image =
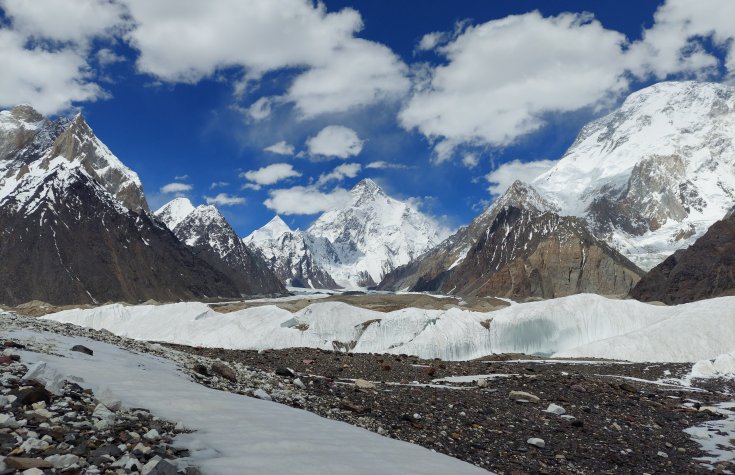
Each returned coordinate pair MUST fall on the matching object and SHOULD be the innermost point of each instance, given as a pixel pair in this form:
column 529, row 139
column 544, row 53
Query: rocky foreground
column 505, row 414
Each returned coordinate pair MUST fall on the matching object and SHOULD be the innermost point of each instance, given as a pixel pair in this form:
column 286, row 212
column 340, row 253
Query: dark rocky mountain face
column 526, row 254
column 519, row 248
column 75, row 226
column 210, row 237
column 704, row 270
column 70, row 242
column 430, row 269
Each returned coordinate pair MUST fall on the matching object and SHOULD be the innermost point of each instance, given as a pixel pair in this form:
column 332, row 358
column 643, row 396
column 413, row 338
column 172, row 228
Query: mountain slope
column 526, row 254
column 288, row 254
column 370, row 236
column 655, row 174
column 67, row 241
column 521, row 249
column 210, row 237
column 704, row 270
column 425, row 272
column 75, row 227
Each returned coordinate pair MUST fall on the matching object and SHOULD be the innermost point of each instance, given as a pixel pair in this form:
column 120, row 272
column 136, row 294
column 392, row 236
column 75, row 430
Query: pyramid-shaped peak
column 366, row 188
column 278, row 224
column 175, row 211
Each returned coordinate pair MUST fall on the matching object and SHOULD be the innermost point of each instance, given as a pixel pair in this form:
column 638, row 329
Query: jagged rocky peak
column 366, row 189
column 653, row 175
column 522, row 195
column 174, row 212
column 31, row 150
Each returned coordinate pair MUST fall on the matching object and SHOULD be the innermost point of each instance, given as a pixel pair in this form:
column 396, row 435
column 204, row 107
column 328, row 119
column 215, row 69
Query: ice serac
column 210, row 237
column 288, row 254
column 373, row 234
column 704, row 270
column 655, row 174
column 75, row 226
column 519, row 247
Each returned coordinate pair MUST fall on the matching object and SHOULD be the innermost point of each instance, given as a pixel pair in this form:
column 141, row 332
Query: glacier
column 583, row 325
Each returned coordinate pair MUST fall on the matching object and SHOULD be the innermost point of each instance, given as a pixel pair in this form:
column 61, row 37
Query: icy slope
column 289, row 255
column 564, row 326
column 174, row 212
column 372, row 235
column 237, row 434
column 656, row 173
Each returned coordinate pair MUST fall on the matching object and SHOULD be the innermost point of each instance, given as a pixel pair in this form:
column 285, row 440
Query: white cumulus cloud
column 269, row 175
column 335, row 141
column 280, row 148
column 176, row 188
column 224, row 199
column 346, row 170
column 502, row 177
column 306, row 200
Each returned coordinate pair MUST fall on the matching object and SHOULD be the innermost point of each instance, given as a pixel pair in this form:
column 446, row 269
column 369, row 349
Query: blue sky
column 440, row 102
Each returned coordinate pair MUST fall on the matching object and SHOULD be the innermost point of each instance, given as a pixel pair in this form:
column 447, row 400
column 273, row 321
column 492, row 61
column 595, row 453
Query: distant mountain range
column 634, row 191
column 75, row 226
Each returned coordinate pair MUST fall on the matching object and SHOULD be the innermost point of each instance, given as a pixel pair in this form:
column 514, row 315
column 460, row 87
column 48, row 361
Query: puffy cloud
column 75, row 21
column 269, row 175
column 382, row 165
column 431, row 40
column 346, row 170
column 306, row 200
column 106, row 56
column 502, row 177
column 673, row 44
column 224, row 199
column 261, row 108
column 176, row 188
column 335, row 141
column 260, row 36
column 49, row 81
column 280, row 148
column 503, row 75
column 358, row 74
column 470, row 160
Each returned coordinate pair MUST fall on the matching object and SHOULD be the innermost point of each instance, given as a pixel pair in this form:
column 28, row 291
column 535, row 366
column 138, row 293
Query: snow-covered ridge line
column 583, row 325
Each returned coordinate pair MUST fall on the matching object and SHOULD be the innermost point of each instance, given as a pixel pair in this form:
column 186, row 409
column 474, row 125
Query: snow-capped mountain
column 210, row 237
column 518, row 247
column 288, row 254
column 174, row 212
column 75, row 226
column 706, row 269
column 655, row 174
column 32, row 147
column 372, row 235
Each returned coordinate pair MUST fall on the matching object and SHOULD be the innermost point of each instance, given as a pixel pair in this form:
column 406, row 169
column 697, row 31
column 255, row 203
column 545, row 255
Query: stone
column 522, row 396
column 628, row 387
column 261, row 394
column 8, row 420
column 34, row 394
column 482, row 383
column 82, row 349
column 555, row 409
column 152, row 435
column 298, row 383
column 103, row 413
column 364, row 384
column 350, row 406
column 24, row 463
column 109, row 400
column 200, row 369
column 285, row 372
column 63, row 461
column 536, row 442
column 35, row 372
column 33, row 471
column 224, row 371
